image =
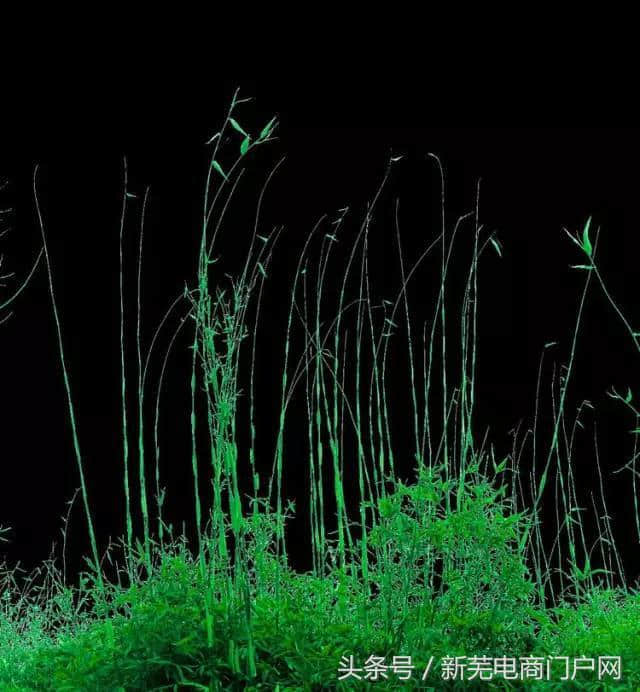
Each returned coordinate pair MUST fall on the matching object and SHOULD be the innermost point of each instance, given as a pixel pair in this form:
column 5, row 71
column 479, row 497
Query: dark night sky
column 534, row 181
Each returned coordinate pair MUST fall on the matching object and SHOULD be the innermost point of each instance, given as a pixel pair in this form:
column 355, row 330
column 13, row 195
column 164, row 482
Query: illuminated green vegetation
column 456, row 562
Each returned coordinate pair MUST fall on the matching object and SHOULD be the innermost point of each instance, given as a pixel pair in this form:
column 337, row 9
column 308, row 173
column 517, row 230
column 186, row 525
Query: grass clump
column 458, row 562
column 154, row 633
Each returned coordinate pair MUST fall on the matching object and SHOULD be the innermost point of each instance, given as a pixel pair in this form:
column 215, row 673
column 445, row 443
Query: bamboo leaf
column 236, row 126
column 218, row 168
column 586, row 243
column 499, row 468
column 267, row 129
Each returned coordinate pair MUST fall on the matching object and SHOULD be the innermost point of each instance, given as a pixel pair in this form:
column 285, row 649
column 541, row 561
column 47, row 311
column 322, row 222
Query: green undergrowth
column 152, row 634
column 479, row 555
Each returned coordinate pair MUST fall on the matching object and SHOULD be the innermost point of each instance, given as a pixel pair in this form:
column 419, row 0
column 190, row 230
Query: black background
column 534, row 182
